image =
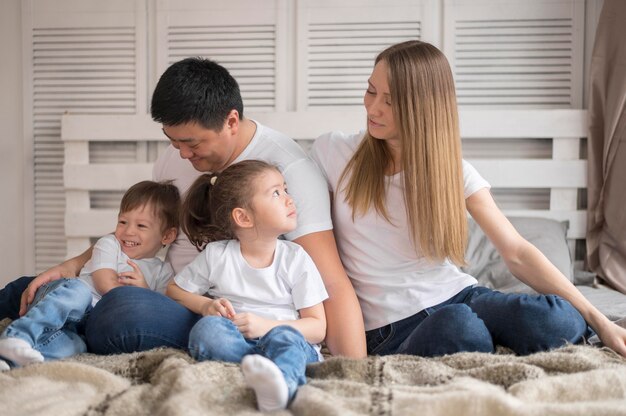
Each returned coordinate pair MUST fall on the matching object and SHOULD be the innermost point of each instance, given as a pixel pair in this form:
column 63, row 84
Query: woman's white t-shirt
column 391, row 279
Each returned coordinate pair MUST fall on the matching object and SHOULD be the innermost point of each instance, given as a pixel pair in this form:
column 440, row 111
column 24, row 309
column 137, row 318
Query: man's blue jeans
column 126, row 319
column 477, row 319
column 217, row 338
column 53, row 320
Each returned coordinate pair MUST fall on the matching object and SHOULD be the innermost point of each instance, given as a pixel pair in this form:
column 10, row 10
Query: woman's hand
column 218, row 307
column 134, row 278
column 614, row 337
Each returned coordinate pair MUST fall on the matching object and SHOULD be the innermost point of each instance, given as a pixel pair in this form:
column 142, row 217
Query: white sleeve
column 309, row 191
column 307, row 287
column 194, row 277
column 472, row 180
column 105, row 254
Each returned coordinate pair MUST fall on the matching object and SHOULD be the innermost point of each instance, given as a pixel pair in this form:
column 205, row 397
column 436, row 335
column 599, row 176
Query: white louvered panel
column 513, row 54
column 250, row 45
column 338, row 42
column 83, row 60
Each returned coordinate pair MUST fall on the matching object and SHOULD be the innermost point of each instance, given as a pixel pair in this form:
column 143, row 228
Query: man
column 199, row 105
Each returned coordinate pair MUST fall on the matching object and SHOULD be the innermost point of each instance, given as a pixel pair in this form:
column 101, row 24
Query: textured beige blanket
column 574, row 380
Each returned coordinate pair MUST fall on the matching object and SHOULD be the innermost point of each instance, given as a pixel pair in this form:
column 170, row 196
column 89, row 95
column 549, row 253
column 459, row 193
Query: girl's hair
column 211, row 199
column 424, row 105
column 163, row 197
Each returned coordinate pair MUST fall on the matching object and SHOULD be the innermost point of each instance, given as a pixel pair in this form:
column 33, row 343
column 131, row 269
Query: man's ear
column 242, row 218
column 169, row 236
column 232, row 121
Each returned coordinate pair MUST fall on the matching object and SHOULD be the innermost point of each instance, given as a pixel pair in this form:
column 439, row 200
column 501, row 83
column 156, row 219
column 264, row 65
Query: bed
column 573, row 380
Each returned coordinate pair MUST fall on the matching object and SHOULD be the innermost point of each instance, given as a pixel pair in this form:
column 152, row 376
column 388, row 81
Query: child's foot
column 267, row 381
column 4, row 366
column 19, row 351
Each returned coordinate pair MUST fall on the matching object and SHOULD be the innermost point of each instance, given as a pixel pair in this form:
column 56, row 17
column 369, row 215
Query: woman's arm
column 345, row 333
column 67, row 269
column 528, row 264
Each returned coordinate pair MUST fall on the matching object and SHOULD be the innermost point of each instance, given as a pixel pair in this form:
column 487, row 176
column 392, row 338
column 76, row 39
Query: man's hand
column 54, row 273
column 218, row 307
column 251, row 325
column 134, row 278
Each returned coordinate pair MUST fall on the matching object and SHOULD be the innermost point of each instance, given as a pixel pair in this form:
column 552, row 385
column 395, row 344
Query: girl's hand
column 251, row 325
column 219, row 307
column 134, row 278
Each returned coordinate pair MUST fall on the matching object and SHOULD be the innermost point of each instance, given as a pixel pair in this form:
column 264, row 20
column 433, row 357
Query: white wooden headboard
column 564, row 173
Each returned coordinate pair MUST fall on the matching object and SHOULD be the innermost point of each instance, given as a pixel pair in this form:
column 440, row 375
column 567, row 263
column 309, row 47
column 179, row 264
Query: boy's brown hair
column 163, row 197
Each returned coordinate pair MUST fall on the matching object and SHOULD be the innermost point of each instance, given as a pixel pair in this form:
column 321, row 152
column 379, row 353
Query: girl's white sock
column 267, row 381
column 19, row 351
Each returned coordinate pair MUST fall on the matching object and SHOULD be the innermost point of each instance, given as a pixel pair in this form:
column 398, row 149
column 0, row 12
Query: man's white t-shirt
column 391, row 279
column 305, row 183
column 276, row 292
column 108, row 254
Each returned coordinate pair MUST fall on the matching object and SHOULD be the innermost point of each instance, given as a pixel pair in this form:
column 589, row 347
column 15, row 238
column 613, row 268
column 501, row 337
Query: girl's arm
column 200, row 304
column 528, row 264
column 312, row 324
column 345, row 333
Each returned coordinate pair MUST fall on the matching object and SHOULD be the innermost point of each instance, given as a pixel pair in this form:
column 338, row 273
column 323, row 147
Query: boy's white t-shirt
column 277, row 292
column 108, row 254
column 305, row 182
column 391, row 280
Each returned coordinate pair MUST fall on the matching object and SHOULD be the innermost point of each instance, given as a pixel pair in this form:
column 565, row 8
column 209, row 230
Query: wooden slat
column 105, row 176
column 533, row 173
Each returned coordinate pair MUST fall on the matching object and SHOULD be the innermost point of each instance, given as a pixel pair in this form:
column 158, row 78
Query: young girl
column 400, row 196
column 147, row 220
column 265, row 306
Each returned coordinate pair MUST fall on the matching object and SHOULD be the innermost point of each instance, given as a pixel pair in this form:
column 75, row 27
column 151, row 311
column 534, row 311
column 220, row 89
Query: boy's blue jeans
column 477, row 319
column 54, row 319
column 217, row 338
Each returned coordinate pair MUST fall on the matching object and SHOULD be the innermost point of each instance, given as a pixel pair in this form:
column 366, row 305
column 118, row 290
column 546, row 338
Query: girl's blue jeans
column 54, row 319
column 478, row 319
column 217, row 338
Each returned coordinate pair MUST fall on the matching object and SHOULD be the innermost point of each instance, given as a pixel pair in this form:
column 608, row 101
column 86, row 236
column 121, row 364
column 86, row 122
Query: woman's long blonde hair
column 423, row 101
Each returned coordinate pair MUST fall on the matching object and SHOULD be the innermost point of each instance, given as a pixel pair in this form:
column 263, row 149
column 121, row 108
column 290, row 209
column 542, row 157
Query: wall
column 12, row 152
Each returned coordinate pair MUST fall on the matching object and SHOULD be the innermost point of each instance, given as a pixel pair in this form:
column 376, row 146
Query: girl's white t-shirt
column 391, row 279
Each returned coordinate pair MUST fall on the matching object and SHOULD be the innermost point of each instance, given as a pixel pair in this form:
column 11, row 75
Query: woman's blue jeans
column 217, row 338
column 478, row 319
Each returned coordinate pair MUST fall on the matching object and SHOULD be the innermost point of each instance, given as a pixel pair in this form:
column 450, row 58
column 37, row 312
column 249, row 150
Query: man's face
column 207, row 150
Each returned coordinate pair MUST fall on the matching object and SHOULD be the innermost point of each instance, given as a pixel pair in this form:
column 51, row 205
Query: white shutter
column 338, row 41
column 247, row 37
column 83, row 57
column 516, row 54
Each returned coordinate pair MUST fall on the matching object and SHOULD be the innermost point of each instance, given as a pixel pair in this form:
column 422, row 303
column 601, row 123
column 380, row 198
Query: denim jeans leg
column 527, row 323
column 129, row 319
column 291, row 352
column 448, row 329
column 50, row 323
column 11, row 295
column 217, row 338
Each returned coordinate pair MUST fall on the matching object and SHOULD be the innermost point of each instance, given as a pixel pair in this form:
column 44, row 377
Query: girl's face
column 273, row 210
column 139, row 232
column 377, row 100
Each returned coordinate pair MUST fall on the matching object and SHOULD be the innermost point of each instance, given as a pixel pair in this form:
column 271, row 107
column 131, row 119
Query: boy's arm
column 104, row 280
column 345, row 333
column 68, row 269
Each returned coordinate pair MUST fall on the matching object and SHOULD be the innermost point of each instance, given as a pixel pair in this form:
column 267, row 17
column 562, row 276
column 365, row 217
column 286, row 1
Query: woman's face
column 377, row 100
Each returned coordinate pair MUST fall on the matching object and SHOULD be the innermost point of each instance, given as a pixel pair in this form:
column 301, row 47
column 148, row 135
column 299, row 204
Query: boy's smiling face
column 139, row 232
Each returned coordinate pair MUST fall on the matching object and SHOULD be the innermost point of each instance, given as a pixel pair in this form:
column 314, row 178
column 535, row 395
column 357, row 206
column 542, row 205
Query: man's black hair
column 196, row 90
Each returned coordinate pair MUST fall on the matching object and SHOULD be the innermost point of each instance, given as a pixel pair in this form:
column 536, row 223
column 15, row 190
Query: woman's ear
column 242, row 218
column 169, row 236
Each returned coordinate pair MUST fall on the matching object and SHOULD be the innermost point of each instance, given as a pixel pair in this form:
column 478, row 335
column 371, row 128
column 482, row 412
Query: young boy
column 147, row 221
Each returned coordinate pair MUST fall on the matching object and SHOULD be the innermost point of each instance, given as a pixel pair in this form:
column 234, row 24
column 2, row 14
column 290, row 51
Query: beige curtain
column 606, row 229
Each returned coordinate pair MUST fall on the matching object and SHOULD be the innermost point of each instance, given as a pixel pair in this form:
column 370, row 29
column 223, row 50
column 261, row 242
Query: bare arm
column 67, row 269
column 528, row 264
column 345, row 333
column 104, row 280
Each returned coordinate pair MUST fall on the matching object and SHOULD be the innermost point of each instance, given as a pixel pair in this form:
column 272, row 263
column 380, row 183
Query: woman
column 400, row 195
